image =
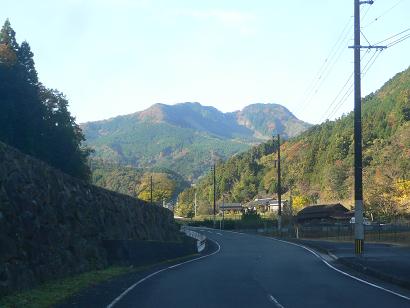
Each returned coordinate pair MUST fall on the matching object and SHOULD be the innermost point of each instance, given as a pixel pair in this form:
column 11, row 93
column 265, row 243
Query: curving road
column 254, row 271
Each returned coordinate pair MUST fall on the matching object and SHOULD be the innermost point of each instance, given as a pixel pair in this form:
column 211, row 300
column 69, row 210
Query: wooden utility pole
column 195, row 203
column 279, row 188
column 214, row 180
column 151, row 186
column 358, row 164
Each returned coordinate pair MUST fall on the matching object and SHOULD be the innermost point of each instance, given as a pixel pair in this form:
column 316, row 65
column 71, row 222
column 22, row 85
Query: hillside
column 136, row 182
column 318, row 164
column 185, row 138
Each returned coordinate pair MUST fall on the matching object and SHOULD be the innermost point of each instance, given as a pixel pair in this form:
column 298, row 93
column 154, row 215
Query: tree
column 35, row 119
column 64, row 135
column 185, row 206
column 163, row 187
column 299, row 202
column 25, row 59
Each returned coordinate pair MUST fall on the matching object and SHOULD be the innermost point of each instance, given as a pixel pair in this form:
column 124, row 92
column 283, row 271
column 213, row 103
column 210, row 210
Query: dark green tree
column 35, row 119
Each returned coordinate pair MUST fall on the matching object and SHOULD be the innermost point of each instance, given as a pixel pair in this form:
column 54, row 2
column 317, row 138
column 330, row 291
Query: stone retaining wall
column 53, row 225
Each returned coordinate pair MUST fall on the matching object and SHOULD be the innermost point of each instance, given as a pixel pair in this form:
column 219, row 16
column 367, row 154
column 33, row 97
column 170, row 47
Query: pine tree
column 35, row 119
column 25, row 60
column 8, row 36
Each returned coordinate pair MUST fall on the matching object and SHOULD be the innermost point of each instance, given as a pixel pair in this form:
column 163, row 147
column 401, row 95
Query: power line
column 375, row 56
column 399, row 40
column 327, row 65
column 393, row 36
column 365, row 13
column 349, row 91
column 383, row 14
column 332, row 107
column 320, row 79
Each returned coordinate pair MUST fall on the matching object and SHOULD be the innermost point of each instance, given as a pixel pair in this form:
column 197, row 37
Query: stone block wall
column 53, row 225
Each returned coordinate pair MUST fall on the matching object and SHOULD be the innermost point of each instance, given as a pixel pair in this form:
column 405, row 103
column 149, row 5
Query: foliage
column 299, row 202
column 250, row 215
column 52, row 293
column 186, row 137
column 35, row 119
column 136, row 182
column 185, row 205
column 317, row 166
column 163, row 187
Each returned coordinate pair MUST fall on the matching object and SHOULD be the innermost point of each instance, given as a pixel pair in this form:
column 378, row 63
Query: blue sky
column 113, row 57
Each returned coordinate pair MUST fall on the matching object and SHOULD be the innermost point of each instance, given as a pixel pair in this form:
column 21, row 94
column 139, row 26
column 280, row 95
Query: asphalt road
column 254, row 271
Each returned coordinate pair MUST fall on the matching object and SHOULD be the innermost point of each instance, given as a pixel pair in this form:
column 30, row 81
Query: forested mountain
column 33, row 118
column 317, row 166
column 166, row 185
column 185, row 138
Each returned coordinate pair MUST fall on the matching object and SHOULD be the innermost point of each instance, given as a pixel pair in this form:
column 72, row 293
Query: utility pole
column 279, row 191
column 195, row 203
column 151, row 189
column 223, row 210
column 214, row 178
column 358, row 165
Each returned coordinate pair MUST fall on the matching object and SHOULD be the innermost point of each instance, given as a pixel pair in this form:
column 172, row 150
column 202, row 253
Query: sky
column 115, row 57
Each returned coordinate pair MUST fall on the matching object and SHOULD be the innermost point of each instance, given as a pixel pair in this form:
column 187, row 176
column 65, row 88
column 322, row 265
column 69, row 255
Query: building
column 265, row 205
column 231, row 208
column 323, row 213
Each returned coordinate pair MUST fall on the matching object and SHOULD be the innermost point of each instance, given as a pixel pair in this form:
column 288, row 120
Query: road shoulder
column 102, row 294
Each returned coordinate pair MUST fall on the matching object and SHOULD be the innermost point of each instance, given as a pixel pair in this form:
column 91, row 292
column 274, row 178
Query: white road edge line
column 331, row 266
column 275, row 301
column 344, row 273
column 116, row 300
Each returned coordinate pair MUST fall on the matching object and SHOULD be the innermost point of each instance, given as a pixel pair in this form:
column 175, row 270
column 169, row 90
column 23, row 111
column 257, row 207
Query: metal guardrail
column 200, row 238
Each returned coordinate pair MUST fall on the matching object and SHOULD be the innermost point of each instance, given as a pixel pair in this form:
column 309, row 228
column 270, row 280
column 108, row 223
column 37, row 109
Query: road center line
column 275, row 301
column 116, row 300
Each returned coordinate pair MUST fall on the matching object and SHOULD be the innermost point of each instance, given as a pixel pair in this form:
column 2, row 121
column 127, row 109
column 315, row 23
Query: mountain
column 186, row 137
column 317, row 165
column 264, row 119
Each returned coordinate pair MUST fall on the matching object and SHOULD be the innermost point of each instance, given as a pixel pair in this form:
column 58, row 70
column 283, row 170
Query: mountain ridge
column 186, row 137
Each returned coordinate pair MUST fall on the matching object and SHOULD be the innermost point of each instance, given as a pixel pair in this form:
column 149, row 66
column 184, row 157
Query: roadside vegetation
column 317, row 166
column 57, row 291
column 128, row 180
column 51, row 293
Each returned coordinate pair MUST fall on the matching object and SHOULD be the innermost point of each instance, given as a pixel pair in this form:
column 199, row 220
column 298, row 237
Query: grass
column 52, row 292
column 56, row 291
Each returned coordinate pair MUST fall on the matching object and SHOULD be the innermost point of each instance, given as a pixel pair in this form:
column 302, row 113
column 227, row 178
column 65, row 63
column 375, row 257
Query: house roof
column 322, row 211
column 265, row 202
column 231, row 206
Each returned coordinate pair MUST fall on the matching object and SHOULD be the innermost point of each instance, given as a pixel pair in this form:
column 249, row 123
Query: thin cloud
column 243, row 21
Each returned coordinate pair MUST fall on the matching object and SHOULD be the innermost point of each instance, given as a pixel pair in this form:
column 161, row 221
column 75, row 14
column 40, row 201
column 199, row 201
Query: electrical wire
column 398, row 40
column 369, row 66
column 349, row 91
column 327, row 60
column 383, row 14
column 338, row 100
column 327, row 65
column 393, row 36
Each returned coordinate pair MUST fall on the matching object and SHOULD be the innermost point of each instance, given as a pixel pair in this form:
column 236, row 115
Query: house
column 265, row 205
column 231, row 207
column 323, row 213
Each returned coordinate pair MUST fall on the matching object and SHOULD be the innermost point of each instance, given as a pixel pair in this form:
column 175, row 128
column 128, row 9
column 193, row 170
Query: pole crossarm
column 368, row 47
